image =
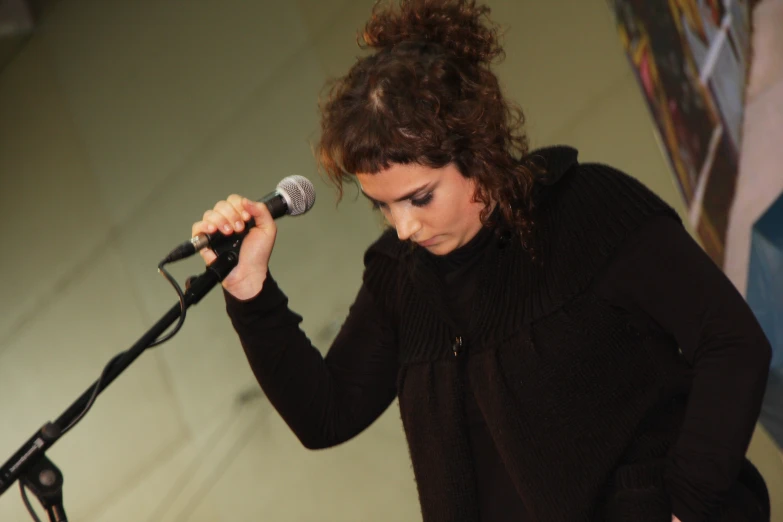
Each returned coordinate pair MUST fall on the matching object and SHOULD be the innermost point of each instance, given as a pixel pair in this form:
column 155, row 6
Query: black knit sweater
column 599, row 406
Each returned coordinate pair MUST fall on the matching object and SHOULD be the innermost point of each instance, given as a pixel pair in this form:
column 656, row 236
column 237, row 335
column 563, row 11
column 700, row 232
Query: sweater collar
column 550, row 163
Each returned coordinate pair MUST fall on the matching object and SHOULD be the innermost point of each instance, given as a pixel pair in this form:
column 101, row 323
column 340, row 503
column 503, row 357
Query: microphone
column 294, row 195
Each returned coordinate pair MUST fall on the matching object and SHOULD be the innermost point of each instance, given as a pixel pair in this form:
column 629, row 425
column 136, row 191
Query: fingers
column 236, row 202
column 228, row 216
column 204, row 227
column 207, row 255
column 260, row 213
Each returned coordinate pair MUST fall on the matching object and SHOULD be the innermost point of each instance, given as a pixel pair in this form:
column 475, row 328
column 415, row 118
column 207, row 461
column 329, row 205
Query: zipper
column 457, row 346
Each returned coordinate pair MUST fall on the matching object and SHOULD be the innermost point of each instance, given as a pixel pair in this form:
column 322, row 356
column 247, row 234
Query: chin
column 440, row 249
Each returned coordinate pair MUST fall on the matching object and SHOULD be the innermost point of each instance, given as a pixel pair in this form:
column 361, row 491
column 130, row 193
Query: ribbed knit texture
column 580, row 222
column 572, row 370
column 562, row 380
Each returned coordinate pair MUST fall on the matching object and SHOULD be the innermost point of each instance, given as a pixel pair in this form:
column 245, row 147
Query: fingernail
column 245, row 215
column 238, row 225
column 211, row 227
column 227, row 228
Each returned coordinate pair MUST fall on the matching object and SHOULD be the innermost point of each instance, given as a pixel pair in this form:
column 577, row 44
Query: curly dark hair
column 426, row 95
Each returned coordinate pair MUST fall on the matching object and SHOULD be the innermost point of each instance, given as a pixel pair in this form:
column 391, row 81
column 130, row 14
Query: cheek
column 444, row 215
column 461, row 208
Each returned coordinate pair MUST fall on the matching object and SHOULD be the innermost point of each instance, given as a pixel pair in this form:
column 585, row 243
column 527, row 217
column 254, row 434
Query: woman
column 560, row 347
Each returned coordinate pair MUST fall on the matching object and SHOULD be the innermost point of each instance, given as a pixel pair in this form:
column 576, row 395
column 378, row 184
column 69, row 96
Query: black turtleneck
column 456, row 270
column 498, row 498
column 659, row 277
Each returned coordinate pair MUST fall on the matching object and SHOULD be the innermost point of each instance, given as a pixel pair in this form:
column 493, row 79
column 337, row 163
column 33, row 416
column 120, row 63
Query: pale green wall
column 120, row 123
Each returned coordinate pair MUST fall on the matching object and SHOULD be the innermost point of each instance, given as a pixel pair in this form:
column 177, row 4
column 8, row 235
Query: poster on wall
column 691, row 60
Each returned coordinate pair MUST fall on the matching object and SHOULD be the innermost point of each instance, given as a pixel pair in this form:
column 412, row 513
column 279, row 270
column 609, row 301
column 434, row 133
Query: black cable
column 182, row 308
column 97, row 386
column 95, row 389
column 162, row 270
column 27, row 503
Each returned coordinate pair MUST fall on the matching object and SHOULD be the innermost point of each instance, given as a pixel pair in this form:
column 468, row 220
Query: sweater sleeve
column 663, row 273
column 324, row 400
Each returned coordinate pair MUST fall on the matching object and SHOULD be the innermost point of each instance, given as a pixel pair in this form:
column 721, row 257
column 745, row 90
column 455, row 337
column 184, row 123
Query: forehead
column 398, row 180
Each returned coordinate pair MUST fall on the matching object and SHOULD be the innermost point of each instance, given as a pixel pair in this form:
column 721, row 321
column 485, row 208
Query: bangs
column 371, row 144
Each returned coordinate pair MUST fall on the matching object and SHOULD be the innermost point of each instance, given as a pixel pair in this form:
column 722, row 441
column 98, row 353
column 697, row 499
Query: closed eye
column 416, row 202
column 426, row 193
column 422, row 201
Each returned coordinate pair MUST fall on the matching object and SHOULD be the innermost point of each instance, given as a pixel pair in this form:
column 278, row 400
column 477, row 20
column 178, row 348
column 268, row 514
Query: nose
column 406, row 224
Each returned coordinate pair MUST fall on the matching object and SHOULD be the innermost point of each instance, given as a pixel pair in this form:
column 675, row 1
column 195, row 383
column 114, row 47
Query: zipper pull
column 456, row 346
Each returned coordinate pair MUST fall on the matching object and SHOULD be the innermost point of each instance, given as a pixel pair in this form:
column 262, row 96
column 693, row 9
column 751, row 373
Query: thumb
column 258, row 210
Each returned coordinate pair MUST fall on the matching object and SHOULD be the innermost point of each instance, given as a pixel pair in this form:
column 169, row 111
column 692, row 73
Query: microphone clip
column 221, row 244
column 218, row 242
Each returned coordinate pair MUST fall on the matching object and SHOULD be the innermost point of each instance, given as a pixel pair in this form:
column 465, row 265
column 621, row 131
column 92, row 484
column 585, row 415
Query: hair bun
column 460, row 26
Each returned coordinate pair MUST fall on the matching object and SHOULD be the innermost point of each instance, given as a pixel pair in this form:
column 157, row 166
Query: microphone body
column 294, row 195
column 274, row 201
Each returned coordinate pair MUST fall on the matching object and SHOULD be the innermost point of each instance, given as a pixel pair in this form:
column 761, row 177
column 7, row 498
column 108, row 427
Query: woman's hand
column 229, row 216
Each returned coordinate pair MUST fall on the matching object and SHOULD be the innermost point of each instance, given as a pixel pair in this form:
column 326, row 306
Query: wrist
column 246, row 288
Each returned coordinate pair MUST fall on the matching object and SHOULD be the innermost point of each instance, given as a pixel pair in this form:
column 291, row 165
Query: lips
column 429, row 242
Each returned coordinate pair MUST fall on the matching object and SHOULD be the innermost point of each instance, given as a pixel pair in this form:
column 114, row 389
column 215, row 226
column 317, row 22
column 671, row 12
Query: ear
column 480, row 193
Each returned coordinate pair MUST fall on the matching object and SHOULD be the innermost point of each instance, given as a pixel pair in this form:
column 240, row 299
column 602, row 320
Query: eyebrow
column 409, row 195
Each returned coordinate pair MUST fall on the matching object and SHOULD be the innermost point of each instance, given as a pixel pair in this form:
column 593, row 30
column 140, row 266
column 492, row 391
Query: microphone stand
column 30, row 465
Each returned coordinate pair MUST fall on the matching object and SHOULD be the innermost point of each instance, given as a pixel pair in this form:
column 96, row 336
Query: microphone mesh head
column 298, row 192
